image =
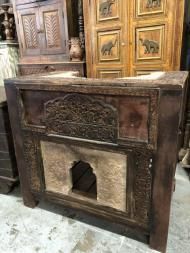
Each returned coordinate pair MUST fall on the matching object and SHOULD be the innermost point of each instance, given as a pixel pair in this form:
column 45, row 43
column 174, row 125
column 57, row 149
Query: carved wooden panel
column 103, row 118
column 109, row 46
column 110, row 74
column 150, row 7
column 143, row 187
column 31, row 159
column 42, row 28
column 108, row 10
column 150, row 43
column 108, row 37
column 30, row 31
column 52, row 29
column 150, row 32
column 54, row 32
column 81, row 116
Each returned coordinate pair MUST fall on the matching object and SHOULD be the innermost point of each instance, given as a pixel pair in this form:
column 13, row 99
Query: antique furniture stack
column 108, row 147
column 128, row 38
column 8, row 168
column 45, row 30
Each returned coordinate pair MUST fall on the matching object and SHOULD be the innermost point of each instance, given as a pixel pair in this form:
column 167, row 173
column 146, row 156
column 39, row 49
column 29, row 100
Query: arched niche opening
column 84, row 180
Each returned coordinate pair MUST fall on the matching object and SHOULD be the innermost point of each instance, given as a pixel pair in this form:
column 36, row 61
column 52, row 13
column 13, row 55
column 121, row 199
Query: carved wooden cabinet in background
column 126, row 38
column 108, row 147
column 44, row 29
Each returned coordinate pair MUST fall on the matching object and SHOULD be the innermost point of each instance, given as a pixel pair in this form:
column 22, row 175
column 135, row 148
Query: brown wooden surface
column 49, row 111
column 127, row 38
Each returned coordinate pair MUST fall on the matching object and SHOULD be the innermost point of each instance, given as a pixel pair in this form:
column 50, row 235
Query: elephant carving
column 151, row 46
column 153, row 3
column 107, row 47
column 105, row 8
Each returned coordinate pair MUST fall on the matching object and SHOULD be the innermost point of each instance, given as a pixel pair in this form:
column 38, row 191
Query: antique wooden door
column 107, row 38
column 127, row 38
column 29, row 28
column 155, row 35
column 54, row 32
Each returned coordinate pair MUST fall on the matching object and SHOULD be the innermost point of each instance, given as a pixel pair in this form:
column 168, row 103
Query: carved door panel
column 153, row 39
column 108, row 38
column 127, row 38
column 54, row 34
column 28, row 34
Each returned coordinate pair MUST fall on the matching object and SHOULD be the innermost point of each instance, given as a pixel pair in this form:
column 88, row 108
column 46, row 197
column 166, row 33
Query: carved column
column 81, row 23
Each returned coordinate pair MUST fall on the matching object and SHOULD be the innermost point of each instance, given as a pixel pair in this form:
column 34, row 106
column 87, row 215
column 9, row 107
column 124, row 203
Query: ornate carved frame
column 139, row 190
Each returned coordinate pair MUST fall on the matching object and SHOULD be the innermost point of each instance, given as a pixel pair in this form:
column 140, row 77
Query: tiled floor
column 52, row 229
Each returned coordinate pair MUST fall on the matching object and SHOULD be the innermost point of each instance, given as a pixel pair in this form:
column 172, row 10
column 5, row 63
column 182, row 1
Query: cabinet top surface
column 171, row 80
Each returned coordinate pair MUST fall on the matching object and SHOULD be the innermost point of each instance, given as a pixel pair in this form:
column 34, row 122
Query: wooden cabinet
column 28, row 27
column 108, row 147
column 43, row 32
column 126, row 38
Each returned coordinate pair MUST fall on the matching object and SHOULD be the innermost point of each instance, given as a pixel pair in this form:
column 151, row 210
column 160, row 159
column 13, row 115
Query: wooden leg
column 28, row 197
column 30, row 201
column 164, row 171
column 158, row 242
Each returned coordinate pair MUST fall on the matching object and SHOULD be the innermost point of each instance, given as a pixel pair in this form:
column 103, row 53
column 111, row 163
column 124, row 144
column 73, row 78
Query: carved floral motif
column 143, row 187
column 52, row 29
column 30, row 153
column 29, row 24
column 81, row 116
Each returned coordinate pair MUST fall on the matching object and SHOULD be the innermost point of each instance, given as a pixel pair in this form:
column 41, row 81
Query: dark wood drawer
column 29, row 69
